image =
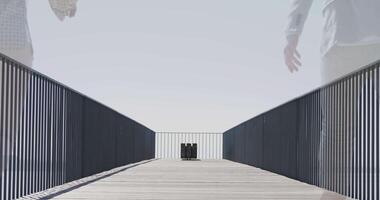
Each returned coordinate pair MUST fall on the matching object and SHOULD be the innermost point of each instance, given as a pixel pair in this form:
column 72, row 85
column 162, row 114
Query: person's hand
column 64, row 8
column 72, row 10
column 292, row 56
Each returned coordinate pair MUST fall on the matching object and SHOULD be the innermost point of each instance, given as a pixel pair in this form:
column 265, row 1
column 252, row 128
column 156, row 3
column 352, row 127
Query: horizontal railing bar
column 64, row 85
column 190, row 132
column 347, row 76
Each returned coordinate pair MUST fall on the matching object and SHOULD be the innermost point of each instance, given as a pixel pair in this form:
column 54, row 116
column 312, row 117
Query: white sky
column 176, row 65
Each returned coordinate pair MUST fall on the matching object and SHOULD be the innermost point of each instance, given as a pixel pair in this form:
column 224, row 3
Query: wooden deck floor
column 185, row 180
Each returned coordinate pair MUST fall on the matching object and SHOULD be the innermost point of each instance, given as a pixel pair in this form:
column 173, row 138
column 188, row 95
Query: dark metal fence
column 328, row 138
column 51, row 134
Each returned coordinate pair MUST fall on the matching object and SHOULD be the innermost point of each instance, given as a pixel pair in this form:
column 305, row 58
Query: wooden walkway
column 185, row 180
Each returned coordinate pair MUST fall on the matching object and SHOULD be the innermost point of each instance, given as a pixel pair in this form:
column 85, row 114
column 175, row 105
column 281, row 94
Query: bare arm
column 297, row 17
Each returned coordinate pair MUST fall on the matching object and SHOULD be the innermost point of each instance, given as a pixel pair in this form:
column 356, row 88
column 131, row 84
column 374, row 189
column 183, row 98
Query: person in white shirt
column 351, row 40
column 351, row 35
column 15, row 40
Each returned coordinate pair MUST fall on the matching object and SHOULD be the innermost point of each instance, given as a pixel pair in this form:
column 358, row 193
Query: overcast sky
column 177, row 65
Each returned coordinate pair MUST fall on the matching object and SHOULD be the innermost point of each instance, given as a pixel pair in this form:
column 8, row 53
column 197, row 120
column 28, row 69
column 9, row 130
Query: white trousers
column 342, row 60
column 24, row 55
column 337, row 146
column 16, row 87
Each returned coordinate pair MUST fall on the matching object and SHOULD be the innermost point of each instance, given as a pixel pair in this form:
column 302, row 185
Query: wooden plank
column 185, row 180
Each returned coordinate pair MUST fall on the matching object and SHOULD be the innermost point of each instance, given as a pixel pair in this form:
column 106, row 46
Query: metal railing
column 328, row 138
column 168, row 144
column 51, row 134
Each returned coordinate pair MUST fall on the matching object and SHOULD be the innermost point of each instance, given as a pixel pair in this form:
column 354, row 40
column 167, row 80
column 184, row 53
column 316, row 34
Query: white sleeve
column 297, row 17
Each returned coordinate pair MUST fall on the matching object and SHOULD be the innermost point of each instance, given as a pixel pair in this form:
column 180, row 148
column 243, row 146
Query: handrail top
column 335, row 81
column 33, row 71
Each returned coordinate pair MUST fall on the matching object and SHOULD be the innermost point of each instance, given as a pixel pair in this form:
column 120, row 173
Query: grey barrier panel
column 51, row 134
column 328, row 137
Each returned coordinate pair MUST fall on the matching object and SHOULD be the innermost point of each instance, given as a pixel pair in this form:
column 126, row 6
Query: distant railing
column 328, row 138
column 51, row 134
column 209, row 144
